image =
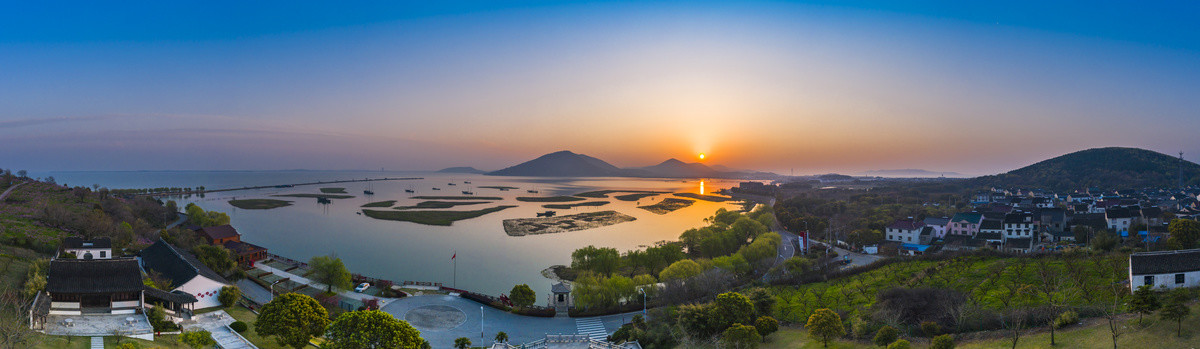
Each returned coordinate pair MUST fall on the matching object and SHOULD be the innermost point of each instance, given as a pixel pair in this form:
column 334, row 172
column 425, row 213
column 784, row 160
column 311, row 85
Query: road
column 177, row 222
column 10, row 189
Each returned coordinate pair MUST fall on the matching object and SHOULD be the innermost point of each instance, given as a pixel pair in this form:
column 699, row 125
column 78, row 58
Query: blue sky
column 821, row 86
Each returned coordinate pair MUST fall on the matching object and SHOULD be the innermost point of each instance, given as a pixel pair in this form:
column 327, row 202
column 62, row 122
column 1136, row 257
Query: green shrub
column 239, row 326
column 862, row 327
column 886, row 335
column 942, row 342
column 900, row 344
column 1067, row 318
column 930, row 328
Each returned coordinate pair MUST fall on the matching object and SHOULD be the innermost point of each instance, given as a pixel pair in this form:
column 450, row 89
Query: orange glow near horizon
column 701, row 156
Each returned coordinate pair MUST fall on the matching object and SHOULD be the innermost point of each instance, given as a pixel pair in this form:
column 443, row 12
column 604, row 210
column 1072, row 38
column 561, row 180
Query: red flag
column 454, row 256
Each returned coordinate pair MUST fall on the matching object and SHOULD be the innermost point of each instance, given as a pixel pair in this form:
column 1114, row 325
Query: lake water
column 489, row 260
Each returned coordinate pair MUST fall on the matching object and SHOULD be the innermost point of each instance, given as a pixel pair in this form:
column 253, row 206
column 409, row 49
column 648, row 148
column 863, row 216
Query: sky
column 811, row 87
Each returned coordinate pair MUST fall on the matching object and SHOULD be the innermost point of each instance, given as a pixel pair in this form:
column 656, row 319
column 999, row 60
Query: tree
column 1144, row 301
column 501, row 337
column 764, row 302
column 229, row 295
column 330, row 271
column 1176, row 309
column 680, row 270
column 826, row 325
column 462, row 343
column 216, row 258
column 886, row 335
column 766, row 325
column 740, row 336
column 797, row 264
column 522, row 296
column 197, row 339
column 15, row 333
column 929, row 328
column 370, row 329
column 944, row 341
column 293, row 319
column 1184, row 234
column 730, row 308
column 900, row 344
column 602, row 260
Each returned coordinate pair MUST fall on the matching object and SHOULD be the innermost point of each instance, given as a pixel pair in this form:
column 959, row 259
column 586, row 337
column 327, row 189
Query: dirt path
column 10, row 189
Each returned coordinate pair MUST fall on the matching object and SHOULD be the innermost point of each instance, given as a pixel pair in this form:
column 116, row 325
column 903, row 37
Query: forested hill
column 1108, row 168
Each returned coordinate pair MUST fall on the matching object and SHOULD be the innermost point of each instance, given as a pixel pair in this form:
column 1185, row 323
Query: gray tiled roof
column 1165, row 262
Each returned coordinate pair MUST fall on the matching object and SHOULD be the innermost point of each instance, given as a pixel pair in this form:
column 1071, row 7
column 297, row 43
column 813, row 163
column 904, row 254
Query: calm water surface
column 489, row 260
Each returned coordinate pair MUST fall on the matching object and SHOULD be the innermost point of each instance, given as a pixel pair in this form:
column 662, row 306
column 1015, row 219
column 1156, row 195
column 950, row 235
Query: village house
column 98, row 248
column 1119, row 219
column 938, row 225
column 186, row 274
column 904, row 230
column 226, row 236
column 964, row 224
column 1165, row 269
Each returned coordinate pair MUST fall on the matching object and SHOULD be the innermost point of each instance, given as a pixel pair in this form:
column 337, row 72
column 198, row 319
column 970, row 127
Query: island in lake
column 562, row 224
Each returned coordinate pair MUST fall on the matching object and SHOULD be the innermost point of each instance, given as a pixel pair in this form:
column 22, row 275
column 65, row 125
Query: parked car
column 362, row 287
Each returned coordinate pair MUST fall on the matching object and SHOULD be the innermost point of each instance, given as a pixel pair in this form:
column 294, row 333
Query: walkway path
column 97, row 342
column 217, row 323
column 592, row 327
column 10, row 189
column 318, row 285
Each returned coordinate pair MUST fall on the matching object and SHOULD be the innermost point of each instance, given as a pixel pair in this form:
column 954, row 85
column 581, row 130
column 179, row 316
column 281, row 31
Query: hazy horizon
column 818, row 87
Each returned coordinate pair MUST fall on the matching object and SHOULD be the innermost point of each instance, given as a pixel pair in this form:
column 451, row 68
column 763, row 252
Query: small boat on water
column 467, row 182
column 437, row 188
column 531, row 191
column 324, row 200
column 414, row 191
column 451, row 184
column 368, row 192
column 546, row 214
column 468, row 192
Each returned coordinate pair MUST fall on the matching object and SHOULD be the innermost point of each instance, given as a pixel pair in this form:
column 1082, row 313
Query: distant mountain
column 1107, row 168
column 676, row 168
column 462, row 169
column 563, row 164
column 567, row 164
column 911, row 173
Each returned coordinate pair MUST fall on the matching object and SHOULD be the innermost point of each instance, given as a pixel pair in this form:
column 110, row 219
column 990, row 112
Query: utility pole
column 1181, row 170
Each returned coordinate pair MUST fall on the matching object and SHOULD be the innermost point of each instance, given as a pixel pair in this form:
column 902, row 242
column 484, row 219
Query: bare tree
column 15, row 331
column 1053, row 290
column 1014, row 300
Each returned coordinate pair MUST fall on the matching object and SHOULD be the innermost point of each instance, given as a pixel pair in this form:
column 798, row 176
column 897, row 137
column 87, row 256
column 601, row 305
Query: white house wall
column 1166, row 281
column 205, row 290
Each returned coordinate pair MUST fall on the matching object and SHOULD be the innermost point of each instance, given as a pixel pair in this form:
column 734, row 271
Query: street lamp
column 642, row 290
column 273, row 288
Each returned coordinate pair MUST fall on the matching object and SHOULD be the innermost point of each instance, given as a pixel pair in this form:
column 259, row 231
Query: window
column 102, row 254
column 1148, row 280
column 1178, row 278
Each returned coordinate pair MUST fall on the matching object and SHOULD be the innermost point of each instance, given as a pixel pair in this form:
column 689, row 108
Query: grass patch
column 634, row 197
column 327, row 196
column 458, row 197
column 259, row 204
column 549, row 198
column 440, row 204
column 668, row 205
column 566, row 206
column 498, row 187
column 388, row 203
column 604, row 193
column 713, row 198
column 561, row 224
column 245, row 315
column 431, row 217
column 333, row 190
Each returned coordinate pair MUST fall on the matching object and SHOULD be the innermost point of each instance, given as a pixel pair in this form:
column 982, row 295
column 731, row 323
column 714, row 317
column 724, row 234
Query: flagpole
column 455, row 281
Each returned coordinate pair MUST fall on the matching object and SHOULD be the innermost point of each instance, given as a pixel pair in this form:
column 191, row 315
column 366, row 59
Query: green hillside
column 1099, row 167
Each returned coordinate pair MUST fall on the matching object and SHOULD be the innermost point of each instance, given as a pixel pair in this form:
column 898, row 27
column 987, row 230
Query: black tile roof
column 178, row 297
column 77, row 242
column 178, row 266
column 240, row 248
column 1164, row 262
column 94, row 276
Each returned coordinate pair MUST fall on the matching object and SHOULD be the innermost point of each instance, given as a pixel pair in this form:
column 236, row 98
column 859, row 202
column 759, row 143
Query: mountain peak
column 673, row 161
column 1112, row 167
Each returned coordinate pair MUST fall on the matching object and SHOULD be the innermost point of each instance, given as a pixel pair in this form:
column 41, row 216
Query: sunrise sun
column 701, row 156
